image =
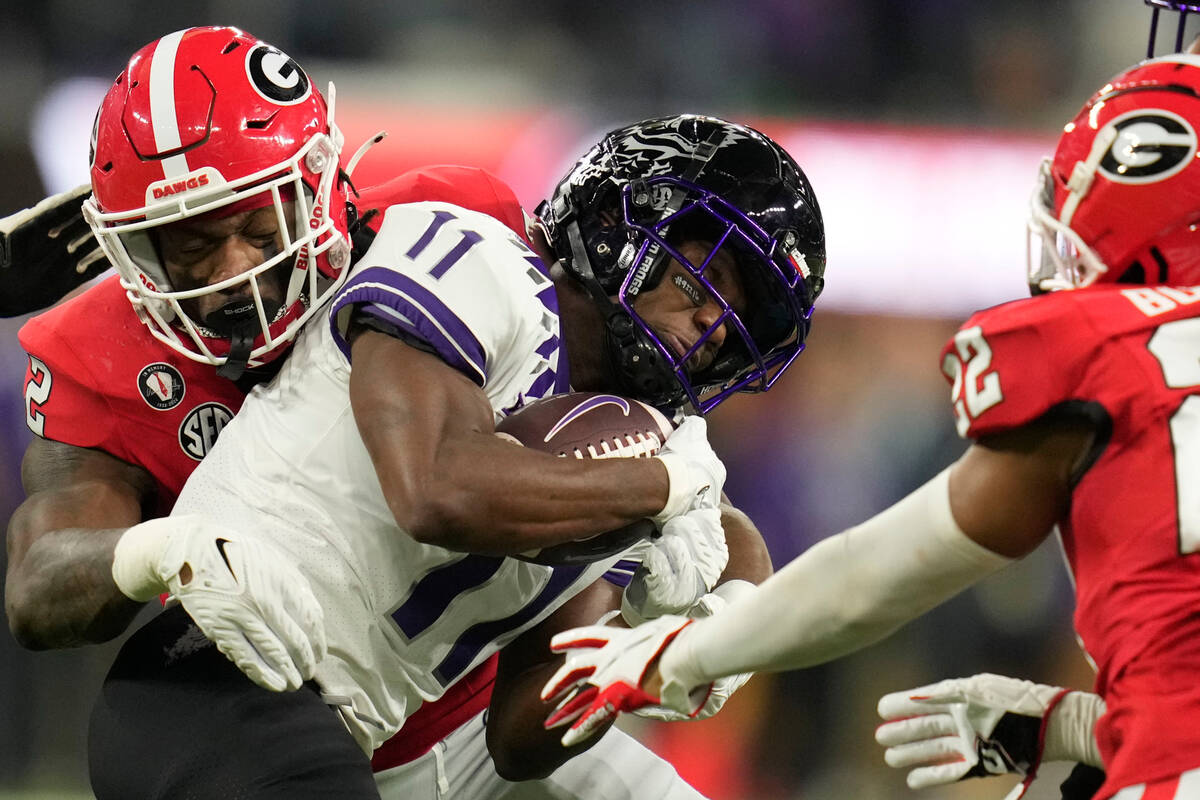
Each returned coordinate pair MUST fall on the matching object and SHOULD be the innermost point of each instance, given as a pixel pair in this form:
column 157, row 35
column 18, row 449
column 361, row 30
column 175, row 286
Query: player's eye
column 190, row 251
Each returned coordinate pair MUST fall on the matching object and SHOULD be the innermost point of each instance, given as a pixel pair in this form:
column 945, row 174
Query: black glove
column 45, row 252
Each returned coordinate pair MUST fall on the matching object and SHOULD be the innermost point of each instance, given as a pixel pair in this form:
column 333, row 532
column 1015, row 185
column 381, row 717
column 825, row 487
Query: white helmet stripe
column 162, row 103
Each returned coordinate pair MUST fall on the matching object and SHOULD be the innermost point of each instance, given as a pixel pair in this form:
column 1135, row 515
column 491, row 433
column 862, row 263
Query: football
column 589, row 425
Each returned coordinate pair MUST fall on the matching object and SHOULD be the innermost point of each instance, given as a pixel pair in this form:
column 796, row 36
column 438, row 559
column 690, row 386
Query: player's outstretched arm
column 852, row 589
column 59, row 590
column 45, row 252
column 451, row 482
column 986, row 725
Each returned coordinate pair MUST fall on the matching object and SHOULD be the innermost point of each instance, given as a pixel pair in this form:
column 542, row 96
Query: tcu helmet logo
column 275, row 76
column 201, row 427
column 1150, row 145
column 161, row 386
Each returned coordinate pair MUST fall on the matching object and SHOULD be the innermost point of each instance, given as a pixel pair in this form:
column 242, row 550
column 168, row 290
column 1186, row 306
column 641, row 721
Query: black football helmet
column 1182, row 9
column 618, row 217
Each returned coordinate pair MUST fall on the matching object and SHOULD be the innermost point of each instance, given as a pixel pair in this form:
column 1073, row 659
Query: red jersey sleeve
column 61, row 402
column 468, row 187
column 1011, row 364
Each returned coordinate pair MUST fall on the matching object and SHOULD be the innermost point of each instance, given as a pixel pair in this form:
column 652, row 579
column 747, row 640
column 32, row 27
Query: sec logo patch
column 161, row 386
column 201, row 427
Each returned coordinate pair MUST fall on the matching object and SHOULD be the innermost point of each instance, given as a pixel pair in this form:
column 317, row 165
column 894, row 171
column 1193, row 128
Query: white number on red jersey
column 37, row 392
column 976, row 388
column 1176, row 345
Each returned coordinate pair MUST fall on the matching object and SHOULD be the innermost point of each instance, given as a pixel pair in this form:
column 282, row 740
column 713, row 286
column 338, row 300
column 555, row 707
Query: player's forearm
column 846, row 592
column 59, row 590
column 490, row 496
column 450, row 481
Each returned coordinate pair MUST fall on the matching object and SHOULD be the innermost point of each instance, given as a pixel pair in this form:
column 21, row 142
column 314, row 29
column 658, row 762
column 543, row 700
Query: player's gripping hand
column 244, row 594
column 604, row 673
column 678, row 568
column 696, row 474
column 45, row 252
column 970, row 727
column 722, row 688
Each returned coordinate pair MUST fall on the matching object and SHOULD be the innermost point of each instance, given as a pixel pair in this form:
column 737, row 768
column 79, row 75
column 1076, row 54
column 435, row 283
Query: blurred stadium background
column 920, row 124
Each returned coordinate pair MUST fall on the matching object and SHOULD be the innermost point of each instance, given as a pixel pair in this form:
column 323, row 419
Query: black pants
column 177, row 720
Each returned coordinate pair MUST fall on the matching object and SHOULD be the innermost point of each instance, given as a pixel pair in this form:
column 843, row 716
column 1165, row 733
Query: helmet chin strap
column 239, row 321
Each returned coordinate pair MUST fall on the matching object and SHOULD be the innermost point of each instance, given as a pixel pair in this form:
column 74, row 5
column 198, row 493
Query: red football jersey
column 97, row 378
column 1131, row 358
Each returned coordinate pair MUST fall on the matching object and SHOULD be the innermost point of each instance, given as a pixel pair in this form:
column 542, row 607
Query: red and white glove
column 603, row 675
column 243, row 593
column 722, row 688
column 678, row 568
column 985, row 725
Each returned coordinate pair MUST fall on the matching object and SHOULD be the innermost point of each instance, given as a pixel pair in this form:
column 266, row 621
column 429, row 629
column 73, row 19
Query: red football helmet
column 1120, row 200
column 201, row 120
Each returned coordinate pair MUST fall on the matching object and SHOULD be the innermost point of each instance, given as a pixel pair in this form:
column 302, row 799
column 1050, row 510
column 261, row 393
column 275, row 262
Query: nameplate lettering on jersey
column 1161, row 299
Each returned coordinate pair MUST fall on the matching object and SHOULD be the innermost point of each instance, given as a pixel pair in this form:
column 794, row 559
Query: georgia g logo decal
column 275, row 76
column 1150, row 145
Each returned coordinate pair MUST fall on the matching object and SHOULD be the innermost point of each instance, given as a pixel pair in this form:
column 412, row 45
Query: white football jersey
column 403, row 620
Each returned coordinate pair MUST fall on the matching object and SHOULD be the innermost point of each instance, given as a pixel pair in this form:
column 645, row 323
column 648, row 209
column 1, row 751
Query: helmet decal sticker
column 1150, row 145
column 646, row 154
column 161, row 386
column 275, row 76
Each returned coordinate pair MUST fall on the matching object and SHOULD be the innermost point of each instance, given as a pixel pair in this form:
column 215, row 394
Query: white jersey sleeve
column 465, row 286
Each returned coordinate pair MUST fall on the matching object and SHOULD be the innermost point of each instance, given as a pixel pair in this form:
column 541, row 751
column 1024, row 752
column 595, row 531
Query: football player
column 1081, row 404
column 120, row 420
column 241, row 336
column 451, row 321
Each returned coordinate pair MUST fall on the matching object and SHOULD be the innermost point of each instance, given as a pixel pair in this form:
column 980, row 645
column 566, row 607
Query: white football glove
column 243, row 593
column 678, row 568
column 45, row 252
column 722, row 688
column 695, row 473
column 985, row 725
column 603, row 672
